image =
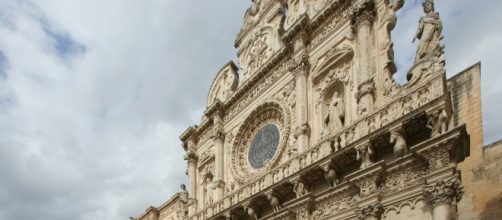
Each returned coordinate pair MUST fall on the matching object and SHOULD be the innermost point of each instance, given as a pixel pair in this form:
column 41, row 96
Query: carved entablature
column 224, row 84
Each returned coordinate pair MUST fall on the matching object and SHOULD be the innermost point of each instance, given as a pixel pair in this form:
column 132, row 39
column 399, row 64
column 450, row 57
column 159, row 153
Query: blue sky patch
column 63, row 44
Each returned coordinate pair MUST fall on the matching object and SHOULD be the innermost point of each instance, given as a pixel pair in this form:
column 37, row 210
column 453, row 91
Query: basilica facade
column 312, row 125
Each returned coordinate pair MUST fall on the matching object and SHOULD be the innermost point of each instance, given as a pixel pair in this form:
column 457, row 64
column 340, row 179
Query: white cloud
column 94, row 135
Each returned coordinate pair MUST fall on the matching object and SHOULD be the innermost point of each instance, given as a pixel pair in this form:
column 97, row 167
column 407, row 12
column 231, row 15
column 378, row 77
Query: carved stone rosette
column 270, row 112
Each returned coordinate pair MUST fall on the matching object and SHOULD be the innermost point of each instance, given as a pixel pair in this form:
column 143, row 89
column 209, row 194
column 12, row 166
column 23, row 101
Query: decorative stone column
column 300, row 70
column 361, row 24
column 191, row 158
column 219, row 140
column 443, row 196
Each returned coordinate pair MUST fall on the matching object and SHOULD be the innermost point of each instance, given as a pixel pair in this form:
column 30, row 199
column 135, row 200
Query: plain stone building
column 311, row 125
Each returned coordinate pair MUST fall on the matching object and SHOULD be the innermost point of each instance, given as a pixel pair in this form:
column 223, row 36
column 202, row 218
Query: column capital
column 300, row 65
column 362, row 13
column 191, row 157
column 443, row 192
column 218, row 135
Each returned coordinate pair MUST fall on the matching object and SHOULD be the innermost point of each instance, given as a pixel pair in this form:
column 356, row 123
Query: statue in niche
column 400, row 146
column 388, row 20
column 334, row 119
column 209, row 191
column 365, row 155
column 438, row 123
column 429, row 33
column 183, row 194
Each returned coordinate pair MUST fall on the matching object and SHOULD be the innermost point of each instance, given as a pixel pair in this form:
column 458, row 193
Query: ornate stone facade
column 311, row 125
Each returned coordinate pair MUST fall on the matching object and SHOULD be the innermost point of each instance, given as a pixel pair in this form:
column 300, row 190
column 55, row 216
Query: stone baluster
column 361, row 24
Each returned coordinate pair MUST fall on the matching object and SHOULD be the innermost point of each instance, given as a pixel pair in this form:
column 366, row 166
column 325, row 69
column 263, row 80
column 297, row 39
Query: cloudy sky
column 94, row 94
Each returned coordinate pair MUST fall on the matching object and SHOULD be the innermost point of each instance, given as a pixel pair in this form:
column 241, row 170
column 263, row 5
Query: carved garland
column 268, row 112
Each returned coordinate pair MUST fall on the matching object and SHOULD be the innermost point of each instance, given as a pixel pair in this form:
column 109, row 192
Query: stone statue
column 365, row 155
column 336, row 113
column 183, row 194
column 438, row 123
column 209, row 191
column 299, row 189
column 388, row 20
column 274, row 202
column 251, row 212
column 331, row 176
column 429, row 32
column 400, row 146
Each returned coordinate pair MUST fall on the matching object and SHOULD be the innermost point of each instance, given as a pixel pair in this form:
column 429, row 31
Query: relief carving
column 365, row 155
column 299, row 189
column 331, row 175
column 438, row 123
column 400, row 146
column 448, row 191
column 274, row 202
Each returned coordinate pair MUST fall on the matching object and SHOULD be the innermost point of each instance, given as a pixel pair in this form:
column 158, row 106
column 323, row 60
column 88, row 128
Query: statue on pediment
column 429, row 32
column 250, row 16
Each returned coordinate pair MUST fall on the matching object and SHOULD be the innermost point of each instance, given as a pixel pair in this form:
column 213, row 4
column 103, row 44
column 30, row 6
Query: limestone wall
column 482, row 171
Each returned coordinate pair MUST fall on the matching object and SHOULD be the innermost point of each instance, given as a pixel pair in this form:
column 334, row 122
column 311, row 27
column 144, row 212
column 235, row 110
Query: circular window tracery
column 260, row 141
column 263, row 146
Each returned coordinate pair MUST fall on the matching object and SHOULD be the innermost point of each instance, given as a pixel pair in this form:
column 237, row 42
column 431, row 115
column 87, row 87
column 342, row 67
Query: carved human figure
column 388, row 20
column 400, row 146
column 209, row 191
column 438, row 123
column 183, row 194
column 429, row 32
column 251, row 13
column 333, row 121
column 274, row 202
column 365, row 155
column 331, row 176
column 251, row 212
column 299, row 189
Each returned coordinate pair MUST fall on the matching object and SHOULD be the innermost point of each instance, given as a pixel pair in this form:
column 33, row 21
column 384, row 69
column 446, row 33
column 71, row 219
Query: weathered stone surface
column 348, row 142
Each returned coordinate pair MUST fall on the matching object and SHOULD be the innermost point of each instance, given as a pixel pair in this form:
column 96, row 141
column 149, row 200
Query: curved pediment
column 224, row 84
column 331, row 59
